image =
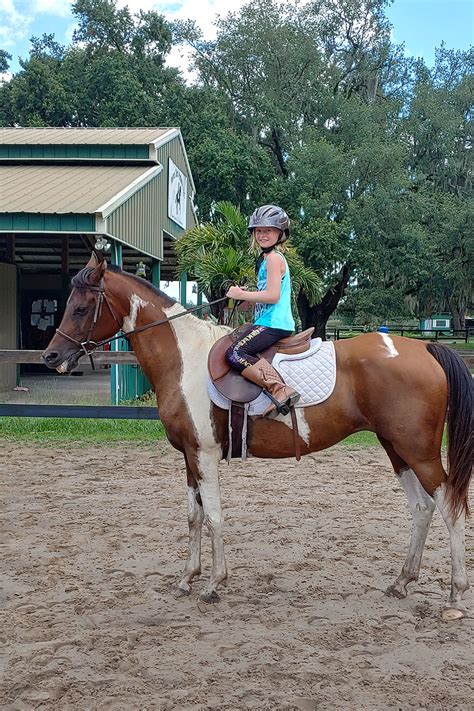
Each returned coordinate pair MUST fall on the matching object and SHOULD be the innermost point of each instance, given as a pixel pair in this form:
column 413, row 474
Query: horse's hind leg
column 459, row 582
column 422, row 507
column 195, row 519
column 431, row 474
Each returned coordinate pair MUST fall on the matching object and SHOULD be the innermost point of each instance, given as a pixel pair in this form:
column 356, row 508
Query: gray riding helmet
column 271, row 216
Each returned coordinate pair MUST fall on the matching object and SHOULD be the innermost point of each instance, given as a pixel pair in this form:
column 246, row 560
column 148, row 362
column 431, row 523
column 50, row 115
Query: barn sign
column 177, row 194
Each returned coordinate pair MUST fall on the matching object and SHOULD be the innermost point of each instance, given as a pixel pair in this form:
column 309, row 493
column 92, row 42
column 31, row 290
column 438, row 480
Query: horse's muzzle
column 57, row 361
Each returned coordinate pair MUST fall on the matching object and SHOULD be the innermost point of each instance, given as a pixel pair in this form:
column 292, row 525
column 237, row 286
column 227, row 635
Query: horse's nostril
column 51, row 357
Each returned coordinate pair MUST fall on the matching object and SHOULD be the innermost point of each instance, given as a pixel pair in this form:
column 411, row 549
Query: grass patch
column 361, row 439
column 83, row 432
column 460, row 345
column 57, row 430
column 369, row 439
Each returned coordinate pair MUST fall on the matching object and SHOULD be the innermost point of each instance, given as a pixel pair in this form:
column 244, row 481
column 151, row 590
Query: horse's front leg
column 211, row 502
column 195, row 519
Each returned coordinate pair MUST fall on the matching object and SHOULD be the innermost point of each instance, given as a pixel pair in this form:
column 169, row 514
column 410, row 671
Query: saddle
column 240, row 391
column 228, row 381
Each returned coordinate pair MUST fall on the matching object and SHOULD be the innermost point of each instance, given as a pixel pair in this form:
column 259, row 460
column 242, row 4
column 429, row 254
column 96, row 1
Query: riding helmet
column 271, row 216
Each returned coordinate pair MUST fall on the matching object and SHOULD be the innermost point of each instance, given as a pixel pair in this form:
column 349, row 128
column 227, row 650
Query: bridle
column 88, row 346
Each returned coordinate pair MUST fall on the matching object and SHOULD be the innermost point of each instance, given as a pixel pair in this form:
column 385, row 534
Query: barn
column 63, row 191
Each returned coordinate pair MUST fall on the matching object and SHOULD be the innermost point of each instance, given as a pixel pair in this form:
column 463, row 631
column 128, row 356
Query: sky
column 421, row 24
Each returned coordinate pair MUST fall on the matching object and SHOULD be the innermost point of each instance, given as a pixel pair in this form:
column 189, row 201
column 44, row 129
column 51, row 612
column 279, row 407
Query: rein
column 88, row 346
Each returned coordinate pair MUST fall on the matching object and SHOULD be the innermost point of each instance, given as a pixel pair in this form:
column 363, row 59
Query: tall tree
column 438, row 132
column 319, row 87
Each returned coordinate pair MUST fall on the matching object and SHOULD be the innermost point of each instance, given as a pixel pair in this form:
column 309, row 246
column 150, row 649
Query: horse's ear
column 94, row 260
column 98, row 265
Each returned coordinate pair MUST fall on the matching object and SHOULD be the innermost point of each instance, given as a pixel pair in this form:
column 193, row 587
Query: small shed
column 436, row 322
column 64, row 190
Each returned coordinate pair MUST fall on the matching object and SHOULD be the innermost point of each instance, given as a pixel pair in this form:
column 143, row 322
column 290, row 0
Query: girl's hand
column 235, row 292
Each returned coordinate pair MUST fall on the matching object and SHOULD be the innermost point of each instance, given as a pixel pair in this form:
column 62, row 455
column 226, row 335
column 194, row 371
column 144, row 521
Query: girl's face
column 266, row 236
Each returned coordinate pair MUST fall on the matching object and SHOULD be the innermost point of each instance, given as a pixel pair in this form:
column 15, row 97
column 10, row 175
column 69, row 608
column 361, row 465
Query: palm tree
column 218, row 254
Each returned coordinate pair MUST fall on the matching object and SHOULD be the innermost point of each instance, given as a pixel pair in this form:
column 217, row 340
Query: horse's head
column 88, row 318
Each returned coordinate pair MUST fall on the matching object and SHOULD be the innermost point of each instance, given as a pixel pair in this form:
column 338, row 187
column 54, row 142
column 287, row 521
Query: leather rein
column 88, row 346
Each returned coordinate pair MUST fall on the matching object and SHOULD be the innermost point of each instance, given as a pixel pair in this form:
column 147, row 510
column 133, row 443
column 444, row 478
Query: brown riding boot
column 281, row 395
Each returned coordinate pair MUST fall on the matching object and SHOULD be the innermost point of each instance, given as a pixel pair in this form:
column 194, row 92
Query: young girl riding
column 273, row 320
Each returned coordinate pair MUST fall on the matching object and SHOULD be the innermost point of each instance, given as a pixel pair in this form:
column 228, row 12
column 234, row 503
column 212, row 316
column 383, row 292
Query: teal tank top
column 275, row 315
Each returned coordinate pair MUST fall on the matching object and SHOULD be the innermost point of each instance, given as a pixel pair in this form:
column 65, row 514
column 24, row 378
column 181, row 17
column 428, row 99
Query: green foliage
column 217, row 253
column 113, row 74
column 5, row 59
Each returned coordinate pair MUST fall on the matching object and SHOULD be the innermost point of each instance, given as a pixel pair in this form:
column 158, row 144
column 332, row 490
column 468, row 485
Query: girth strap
column 296, row 434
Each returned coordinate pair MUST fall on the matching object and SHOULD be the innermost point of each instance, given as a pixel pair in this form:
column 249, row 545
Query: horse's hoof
column 210, row 597
column 452, row 613
column 395, row 591
column 183, row 591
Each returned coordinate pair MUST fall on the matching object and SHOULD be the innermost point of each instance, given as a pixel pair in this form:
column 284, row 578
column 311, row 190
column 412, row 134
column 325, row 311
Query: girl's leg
column 241, row 355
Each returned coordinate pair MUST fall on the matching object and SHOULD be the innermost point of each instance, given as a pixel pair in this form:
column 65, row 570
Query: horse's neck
column 173, row 355
column 142, row 306
column 191, row 329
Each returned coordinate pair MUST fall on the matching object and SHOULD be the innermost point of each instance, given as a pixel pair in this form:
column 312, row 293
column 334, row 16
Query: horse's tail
column 460, row 420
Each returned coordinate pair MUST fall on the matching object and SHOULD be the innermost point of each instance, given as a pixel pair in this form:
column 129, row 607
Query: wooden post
column 156, row 273
column 116, row 257
column 199, row 302
column 182, row 288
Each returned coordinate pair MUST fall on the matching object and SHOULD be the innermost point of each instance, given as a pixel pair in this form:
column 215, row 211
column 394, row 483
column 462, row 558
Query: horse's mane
column 83, row 280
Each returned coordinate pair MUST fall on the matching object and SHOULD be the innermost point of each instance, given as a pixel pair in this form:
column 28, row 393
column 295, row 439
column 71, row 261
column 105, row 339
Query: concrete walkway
column 91, row 388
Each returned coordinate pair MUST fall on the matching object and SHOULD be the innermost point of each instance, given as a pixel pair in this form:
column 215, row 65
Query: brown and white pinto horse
column 401, row 389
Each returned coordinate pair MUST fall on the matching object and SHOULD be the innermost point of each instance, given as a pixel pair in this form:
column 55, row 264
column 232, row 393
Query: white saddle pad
column 312, row 374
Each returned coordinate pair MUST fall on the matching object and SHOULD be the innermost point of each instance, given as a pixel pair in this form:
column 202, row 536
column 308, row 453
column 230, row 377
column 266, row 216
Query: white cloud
column 204, row 12
column 61, row 8
column 69, row 31
column 14, row 25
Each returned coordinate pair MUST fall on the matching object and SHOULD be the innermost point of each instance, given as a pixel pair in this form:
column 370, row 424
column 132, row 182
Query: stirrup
column 281, row 408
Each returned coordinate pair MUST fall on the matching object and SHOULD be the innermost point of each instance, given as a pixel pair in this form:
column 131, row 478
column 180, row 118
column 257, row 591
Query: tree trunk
column 458, row 312
column 319, row 315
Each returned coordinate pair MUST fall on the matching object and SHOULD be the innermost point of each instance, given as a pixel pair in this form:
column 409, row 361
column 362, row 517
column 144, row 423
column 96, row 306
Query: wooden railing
column 100, row 357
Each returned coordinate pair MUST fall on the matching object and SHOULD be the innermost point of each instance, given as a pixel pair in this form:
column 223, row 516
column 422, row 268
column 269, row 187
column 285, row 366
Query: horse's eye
column 81, row 310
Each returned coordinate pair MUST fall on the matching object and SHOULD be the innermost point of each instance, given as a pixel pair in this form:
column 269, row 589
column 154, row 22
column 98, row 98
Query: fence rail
column 112, row 412
column 336, row 333
column 100, row 357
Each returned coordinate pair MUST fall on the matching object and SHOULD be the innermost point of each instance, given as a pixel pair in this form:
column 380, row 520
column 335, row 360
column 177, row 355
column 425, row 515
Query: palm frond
column 303, row 278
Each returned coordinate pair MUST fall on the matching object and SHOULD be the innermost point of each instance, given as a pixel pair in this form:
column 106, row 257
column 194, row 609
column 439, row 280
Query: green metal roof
column 53, row 189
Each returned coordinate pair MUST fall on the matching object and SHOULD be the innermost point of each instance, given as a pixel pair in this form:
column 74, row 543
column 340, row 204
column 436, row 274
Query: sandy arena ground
column 94, row 541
